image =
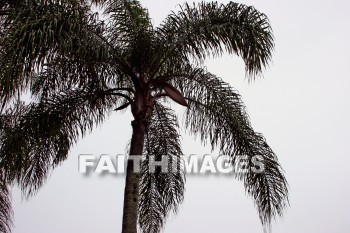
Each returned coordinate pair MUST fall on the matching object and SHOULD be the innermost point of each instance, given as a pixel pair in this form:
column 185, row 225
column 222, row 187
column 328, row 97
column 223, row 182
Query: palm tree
column 77, row 69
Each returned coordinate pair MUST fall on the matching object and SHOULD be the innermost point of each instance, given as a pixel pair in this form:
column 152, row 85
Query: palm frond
column 131, row 29
column 72, row 73
column 212, row 28
column 217, row 114
column 6, row 213
column 34, row 33
column 42, row 133
column 160, row 192
column 128, row 19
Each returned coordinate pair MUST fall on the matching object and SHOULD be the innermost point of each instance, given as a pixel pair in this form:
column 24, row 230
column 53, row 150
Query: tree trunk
column 131, row 193
column 141, row 110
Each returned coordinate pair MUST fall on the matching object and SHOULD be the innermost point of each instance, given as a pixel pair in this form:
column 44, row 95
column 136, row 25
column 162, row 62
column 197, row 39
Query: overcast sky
column 301, row 106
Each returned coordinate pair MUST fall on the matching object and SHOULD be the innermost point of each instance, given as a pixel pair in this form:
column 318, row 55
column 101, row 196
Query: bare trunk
column 131, row 193
column 141, row 109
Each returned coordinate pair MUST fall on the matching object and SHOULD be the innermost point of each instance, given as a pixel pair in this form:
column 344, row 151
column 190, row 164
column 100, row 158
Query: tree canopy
column 78, row 68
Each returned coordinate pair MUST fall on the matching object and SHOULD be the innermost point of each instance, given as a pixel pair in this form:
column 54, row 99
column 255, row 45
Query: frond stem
column 121, row 61
column 120, row 94
column 121, row 89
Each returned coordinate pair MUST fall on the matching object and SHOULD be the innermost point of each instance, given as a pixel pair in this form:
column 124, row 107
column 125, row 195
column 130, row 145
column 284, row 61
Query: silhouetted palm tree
column 77, row 69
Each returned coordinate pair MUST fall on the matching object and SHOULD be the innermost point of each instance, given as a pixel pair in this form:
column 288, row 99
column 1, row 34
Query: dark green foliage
column 216, row 113
column 212, row 28
column 5, row 208
column 78, row 69
column 162, row 192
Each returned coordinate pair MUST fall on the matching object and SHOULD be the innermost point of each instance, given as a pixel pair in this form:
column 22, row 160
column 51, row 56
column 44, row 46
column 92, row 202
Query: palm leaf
column 5, row 208
column 217, row 114
column 160, row 192
column 43, row 132
column 34, row 33
column 212, row 28
column 131, row 29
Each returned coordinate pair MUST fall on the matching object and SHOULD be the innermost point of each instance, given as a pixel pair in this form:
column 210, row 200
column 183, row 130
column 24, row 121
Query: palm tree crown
column 78, row 68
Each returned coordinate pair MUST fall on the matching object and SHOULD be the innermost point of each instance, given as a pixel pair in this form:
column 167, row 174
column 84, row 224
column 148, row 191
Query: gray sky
column 301, row 106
